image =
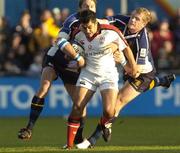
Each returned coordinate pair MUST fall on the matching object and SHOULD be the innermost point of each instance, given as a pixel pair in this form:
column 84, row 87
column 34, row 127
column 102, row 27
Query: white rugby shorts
column 93, row 81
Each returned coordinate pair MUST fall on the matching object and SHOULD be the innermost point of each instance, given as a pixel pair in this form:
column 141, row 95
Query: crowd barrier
column 16, row 94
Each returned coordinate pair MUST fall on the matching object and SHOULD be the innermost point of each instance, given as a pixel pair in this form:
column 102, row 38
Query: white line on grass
column 98, row 148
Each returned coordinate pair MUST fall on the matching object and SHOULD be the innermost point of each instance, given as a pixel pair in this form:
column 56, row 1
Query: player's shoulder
column 143, row 33
column 119, row 18
column 109, row 27
column 71, row 19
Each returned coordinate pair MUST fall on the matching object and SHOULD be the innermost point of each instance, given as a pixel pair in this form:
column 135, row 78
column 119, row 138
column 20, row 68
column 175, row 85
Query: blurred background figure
column 44, row 34
column 24, row 27
column 36, row 67
column 109, row 12
column 175, row 27
column 159, row 37
column 166, row 59
column 17, row 59
column 24, row 30
column 64, row 14
column 48, row 21
column 153, row 25
column 57, row 16
column 5, row 32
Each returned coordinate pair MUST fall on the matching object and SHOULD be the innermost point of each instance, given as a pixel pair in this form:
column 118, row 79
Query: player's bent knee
column 121, row 100
column 109, row 114
column 109, row 111
column 78, row 110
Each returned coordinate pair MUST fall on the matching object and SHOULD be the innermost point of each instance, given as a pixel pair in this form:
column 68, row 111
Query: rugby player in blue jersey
column 135, row 32
column 55, row 64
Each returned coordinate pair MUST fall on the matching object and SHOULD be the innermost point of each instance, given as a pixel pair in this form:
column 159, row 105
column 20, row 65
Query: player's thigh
column 82, row 96
column 127, row 93
column 71, row 88
column 48, row 75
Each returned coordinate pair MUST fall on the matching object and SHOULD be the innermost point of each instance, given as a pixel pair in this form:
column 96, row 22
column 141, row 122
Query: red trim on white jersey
column 101, row 27
column 111, row 27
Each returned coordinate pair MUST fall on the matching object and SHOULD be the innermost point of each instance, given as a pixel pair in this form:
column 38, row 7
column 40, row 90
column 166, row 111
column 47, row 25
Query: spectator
column 48, row 21
column 57, row 16
column 166, row 58
column 25, row 30
column 44, row 35
column 153, row 25
column 40, row 39
column 18, row 55
column 176, row 31
column 109, row 12
column 64, row 14
column 36, row 67
column 4, row 40
column 24, row 27
column 159, row 37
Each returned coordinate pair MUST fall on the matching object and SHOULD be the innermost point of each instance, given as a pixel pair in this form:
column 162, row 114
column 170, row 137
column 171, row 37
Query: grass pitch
column 130, row 135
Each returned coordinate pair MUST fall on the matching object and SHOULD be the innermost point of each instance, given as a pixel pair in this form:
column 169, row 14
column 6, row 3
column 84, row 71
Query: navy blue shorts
column 142, row 83
column 59, row 62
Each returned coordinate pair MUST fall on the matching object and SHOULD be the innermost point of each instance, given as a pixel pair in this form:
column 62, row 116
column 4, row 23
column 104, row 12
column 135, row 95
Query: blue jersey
column 120, row 21
column 57, row 59
column 69, row 25
column 138, row 42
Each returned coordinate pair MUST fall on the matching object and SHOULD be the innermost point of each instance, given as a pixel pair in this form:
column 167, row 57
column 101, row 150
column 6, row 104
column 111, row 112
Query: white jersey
column 99, row 60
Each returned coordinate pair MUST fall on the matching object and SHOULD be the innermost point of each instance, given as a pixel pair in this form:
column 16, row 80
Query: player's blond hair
column 146, row 14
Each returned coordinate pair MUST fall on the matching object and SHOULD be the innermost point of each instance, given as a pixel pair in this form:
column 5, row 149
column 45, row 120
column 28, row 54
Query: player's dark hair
column 81, row 2
column 86, row 16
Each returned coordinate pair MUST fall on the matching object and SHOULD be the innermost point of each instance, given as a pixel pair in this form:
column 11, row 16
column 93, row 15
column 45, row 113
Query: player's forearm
column 69, row 50
column 129, row 55
column 66, row 47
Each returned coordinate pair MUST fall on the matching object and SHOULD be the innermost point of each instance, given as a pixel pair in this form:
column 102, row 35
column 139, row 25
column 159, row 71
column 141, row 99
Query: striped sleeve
column 142, row 47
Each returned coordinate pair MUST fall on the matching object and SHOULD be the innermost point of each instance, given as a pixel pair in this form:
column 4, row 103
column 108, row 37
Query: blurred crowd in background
column 22, row 47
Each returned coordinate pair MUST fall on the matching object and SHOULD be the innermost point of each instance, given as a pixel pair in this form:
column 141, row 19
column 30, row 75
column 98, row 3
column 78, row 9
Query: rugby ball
column 78, row 47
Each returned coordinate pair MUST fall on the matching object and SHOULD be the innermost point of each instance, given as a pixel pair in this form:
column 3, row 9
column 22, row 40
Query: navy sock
column 79, row 134
column 96, row 135
column 160, row 81
column 36, row 109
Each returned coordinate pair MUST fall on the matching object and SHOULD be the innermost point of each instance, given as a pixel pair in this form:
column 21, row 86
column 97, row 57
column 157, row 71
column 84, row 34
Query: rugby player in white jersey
column 54, row 65
column 99, row 70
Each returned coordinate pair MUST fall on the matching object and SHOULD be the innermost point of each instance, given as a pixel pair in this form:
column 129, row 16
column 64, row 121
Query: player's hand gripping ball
column 78, row 47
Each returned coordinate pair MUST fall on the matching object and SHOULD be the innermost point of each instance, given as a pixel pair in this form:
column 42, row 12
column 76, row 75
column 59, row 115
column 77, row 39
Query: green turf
column 130, row 135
